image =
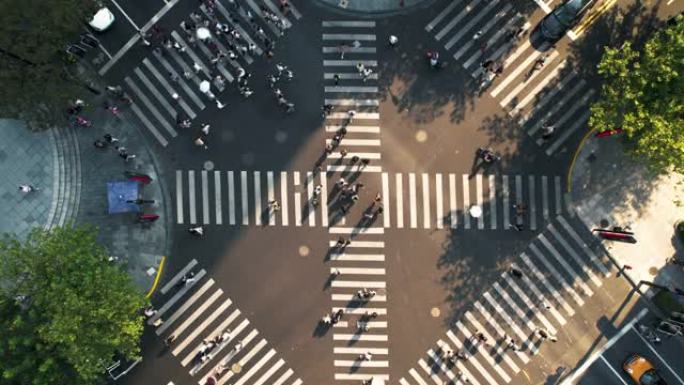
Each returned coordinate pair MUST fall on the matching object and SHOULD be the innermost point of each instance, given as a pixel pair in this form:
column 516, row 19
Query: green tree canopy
column 33, row 36
column 643, row 94
column 65, row 311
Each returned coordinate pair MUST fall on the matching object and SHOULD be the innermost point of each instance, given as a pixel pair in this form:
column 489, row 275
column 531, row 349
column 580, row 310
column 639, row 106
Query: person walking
column 274, row 205
column 393, row 41
column 199, row 231
column 123, row 153
column 205, row 129
column 200, row 143
column 336, row 79
column 27, row 188
column 110, row 139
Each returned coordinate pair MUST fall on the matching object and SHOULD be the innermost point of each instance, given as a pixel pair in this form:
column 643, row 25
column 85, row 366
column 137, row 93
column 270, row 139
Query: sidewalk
column 612, row 190
column 376, row 6
column 72, row 176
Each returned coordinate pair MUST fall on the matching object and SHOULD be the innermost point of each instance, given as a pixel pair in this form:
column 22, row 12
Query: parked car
column 102, row 19
column 642, row 371
column 564, row 17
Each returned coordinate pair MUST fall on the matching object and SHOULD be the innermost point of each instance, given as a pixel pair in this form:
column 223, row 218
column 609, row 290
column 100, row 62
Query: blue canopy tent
column 118, row 195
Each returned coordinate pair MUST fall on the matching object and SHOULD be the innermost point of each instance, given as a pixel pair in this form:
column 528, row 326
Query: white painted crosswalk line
column 566, row 246
column 493, row 41
column 348, row 23
column 256, row 367
column 568, row 288
column 541, row 278
column 231, row 197
column 361, row 364
column 440, row 363
column 529, row 58
column 349, row 36
column 535, row 308
column 413, row 215
column 361, row 155
column 191, row 197
column 504, row 315
column 356, row 230
column 505, row 194
column 577, row 280
column 452, row 201
column 400, row 200
column 431, row 25
column 357, row 257
column 179, row 275
column 514, row 93
column 466, row 376
column 217, row 198
column 169, row 89
column 545, row 197
column 356, row 142
column 324, row 198
column 472, row 360
column 270, row 185
column 297, row 199
column 359, row 270
column 155, row 91
column 284, row 210
column 426, row 201
column 471, row 22
column 284, row 377
column 358, row 284
column 233, row 337
column 514, row 305
column 499, row 351
column 179, row 197
column 352, row 102
column 269, row 372
column 466, row 201
column 354, row 129
column 257, row 198
column 492, row 201
column 199, row 329
column 181, row 292
column 484, row 352
column 417, row 377
column 478, row 199
column 439, row 198
column 191, row 53
column 557, row 185
column 385, row 200
column 186, row 305
column 568, row 131
column 310, row 198
column 150, row 126
column 484, row 29
column 403, row 381
column 205, row 197
column 587, row 251
column 244, row 197
column 243, row 361
column 464, row 12
column 360, row 337
column 564, row 101
column 359, row 376
column 499, row 330
column 151, row 107
column 181, row 81
column 362, row 311
column 361, row 350
column 533, row 93
column 355, row 298
column 362, row 244
column 541, row 299
column 188, row 321
column 548, row 96
column 533, row 202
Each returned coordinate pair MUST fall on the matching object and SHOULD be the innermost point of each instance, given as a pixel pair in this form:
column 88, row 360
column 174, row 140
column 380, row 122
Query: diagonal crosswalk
column 164, row 87
column 198, row 312
column 478, row 33
column 499, row 334
column 411, row 200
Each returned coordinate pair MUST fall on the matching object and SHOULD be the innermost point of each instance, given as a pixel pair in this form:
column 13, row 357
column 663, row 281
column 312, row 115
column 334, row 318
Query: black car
column 561, row 19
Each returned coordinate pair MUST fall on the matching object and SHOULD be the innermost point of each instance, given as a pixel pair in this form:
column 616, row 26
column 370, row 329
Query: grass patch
column 667, row 302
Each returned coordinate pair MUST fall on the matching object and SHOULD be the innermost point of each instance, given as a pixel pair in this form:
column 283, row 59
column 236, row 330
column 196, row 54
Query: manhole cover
column 653, row 271
column 236, row 368
column 421, row 136
column 435, row 312
column 208, row 165
column 304, row 251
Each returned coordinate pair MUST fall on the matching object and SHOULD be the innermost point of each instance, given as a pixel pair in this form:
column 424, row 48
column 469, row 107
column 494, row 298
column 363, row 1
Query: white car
column 102, row 20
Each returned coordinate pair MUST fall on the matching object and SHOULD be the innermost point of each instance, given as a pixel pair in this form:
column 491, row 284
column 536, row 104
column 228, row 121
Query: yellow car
column 642, row 371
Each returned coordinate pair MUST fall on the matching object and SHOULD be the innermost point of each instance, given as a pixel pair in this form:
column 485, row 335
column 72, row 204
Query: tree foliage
column 643, row 94
column 78, row 310
column 33, row 36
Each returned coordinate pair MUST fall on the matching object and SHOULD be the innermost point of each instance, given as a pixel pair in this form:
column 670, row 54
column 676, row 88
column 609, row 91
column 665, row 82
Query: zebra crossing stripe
column 348, row 24
column 512, row 324
column 431, row 25
column 567, row 132
column 297, row 199
column 179, row 197
column 217, row 197
column 256, row 367
column 360, row 311
column 472, row 359
column 355, row 129
column 433, row 356
column 513, row 305
column 478, row 199
column 244, row 360
column 191, row 53
column 233, row 334
column 470, row 23
column 505, row 193
column 541, row 278
column 530, row 304
column 205, row 197
column 231, row 197
column 168, row 88
column 324, row 198
column 583, row 246
column 445, row 347
column 483, row 353
column 499, row 330
column 565, row 99
column 181, row 328
column 178, row 276
column 452, row 200
column 359, row 376
column 541, row 85
column 310, row 198
column 363, row 244
column 426, row 201
column 237, row 26
column 557, row 183
column 533, row 203
column 413, row 215
column 439, row 198
column 492, row 21
column 257, row 198
column 516, row 90
column 352, row 350
column 361, row 364
column 400, row 200
column 196, row 331
column 181, row 81
column 541, row 299
column 138, row 112
column 576, row 280
column 456, row 19
column 360, row 337
column 469, row 316
column 155, row 91
column 545, row 197
column 269, row 372
column 358, row 285
column 385, row 200
column 359, row 270
column 148, row 104
column 179, row 294
column 245, row 208
column 285, row 217
column 271, row 196
column 556, row 274
column 416, row 377
column 354, row 298
column 284, row 377
column 466, row 201
column 349, row 36
column 492, row 201
column 192, row 197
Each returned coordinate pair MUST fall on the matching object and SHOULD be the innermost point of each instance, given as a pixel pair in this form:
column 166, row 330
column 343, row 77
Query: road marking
column 556, row 234
column 244, row 197
column 565, row 100
column 439, row 201
column 568, row 287
column 592, row 256
column 431, row 25
column 285, row 217
column 270, row 372
column 297, row 199
column 168, row 304
column 478, row 199
column 418, row 379
column 400, row 201
column 311, row 197
column 357, row 257
column 589, row 19
column 179, row 197
column 168, row 87
column 533, row 202
column 355, row 129
column 499, row 330
column 445, row 347
column 493, row 20
column 452, row 201
column 271, row 197
column 172, row 283
column 359, row 270
column 541, row 102
column 471, row 21
column 426, row 201
column 538, row 87
column 349, row 36
column 155, row 91
column 349, row 168
column 524, row 339
column 181, row 81
column 513, row 305
column 492, row 201
column 518, row 70
column 433, row 356
column 350, row 89
column 351, row 350
column 345, row 23
column 148, row 104
column 324, row 198
column 567, row 132
column 196, row 331
column 284, row 377
column 386, row 200
column 360, row 376
column 530, row 305
column 360, row 311
column 483, row 353
column 231, row 197
column 541, row 278
column 193, row 56
column 412, row 201
column 505, row 193
column 456, row 19
column 181, row 328
column 356, row 142
column 358, row 285
column 138, row 112
column 466, row 201
column 205, row 197
column 363, row 244
column 545, row 197
column 472, row 360
column 543, row 6
column 191, row 197
column 528, row 80
column 501, row 352
column 257, row 198
column 125, row 15
column 541, row 298
column 356, row 230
